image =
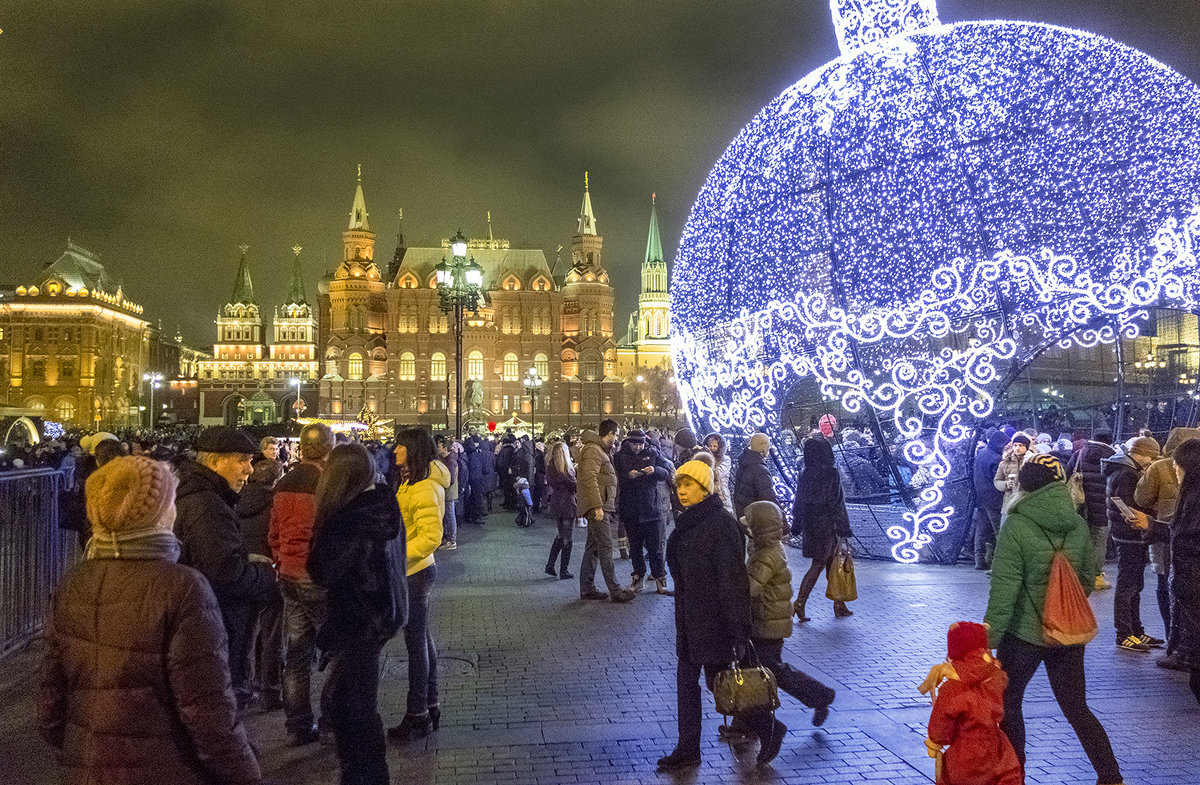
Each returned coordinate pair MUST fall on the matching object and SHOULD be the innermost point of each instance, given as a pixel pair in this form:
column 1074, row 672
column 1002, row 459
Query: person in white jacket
column 716, row 444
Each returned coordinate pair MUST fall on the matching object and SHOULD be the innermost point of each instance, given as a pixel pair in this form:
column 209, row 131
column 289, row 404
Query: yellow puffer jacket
column 422, row 505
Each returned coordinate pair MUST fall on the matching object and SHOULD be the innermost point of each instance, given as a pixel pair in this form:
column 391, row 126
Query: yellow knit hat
column 131, row 493
column 699, row 471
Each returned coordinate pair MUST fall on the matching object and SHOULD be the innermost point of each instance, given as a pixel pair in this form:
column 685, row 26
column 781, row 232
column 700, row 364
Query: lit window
column 437, row 366
column 65, row 410
column 511, row 368
column 331, row 368
column 542, row 364
column 408, row 366
column 356, row 366
column 475, row 365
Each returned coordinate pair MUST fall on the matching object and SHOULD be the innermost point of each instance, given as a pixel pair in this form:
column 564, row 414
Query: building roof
column 358, row 212
column 653, row 241
column 587, row 218
column 79, row 268
column 497, row 262
column 296, row 295
column 243, row 287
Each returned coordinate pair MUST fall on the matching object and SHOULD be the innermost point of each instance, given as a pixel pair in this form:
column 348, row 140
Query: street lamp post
column 459, row 285
column 533, row 385
column 154, row 379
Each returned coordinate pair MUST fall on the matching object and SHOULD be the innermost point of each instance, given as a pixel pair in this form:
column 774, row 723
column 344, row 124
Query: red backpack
column 1067, row 618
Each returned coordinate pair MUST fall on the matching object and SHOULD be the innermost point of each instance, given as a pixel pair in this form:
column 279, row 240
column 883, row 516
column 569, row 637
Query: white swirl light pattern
column 880, row 227
column 729, row 385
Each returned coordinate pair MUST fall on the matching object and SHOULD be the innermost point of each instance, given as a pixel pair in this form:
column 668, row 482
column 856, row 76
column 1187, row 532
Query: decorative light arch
column 934, row 206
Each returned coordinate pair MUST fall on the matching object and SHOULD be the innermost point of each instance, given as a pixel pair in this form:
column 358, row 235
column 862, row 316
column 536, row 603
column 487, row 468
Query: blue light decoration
column 915, row 221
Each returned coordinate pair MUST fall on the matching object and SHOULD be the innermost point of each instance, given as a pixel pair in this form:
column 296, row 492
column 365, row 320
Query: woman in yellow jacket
column 422, row 498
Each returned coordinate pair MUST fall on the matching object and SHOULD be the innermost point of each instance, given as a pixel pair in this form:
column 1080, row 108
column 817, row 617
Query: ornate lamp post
column 460, row 285
column 533, row 385
column 154, row 379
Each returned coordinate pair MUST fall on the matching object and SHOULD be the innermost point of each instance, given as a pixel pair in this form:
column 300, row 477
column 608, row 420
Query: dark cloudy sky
column 163, row 134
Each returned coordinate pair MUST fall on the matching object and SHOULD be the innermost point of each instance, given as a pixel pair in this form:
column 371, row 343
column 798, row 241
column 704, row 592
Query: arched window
column 408, row 366
column 437, row 366
column 512, row 370
column 356, row 366
column 591, row 369
column 542, row 363
column 65, row 410
column 475, row 365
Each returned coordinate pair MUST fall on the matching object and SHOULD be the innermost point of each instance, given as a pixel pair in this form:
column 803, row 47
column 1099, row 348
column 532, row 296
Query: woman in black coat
column 560, row 474
column 1185, row 562
column 706, row 556
column 819, row 517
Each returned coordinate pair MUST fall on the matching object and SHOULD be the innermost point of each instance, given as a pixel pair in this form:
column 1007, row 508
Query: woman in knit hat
column 706, row 557
column 1010, row 466
column 1042, row 521
column 135, row 682
column 819, row 516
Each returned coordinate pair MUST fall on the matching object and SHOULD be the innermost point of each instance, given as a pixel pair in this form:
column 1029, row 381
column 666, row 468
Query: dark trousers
column 691, row 712
column 796, row 683
column 1064, row 667
column 303, row 614
column 422, row 654
column 353, row 712
column 1127, row 595
column 266, row 652
column 239, row 629
column 476, row 506
column 987, row 523
column 1163, row 595
column 645, row 535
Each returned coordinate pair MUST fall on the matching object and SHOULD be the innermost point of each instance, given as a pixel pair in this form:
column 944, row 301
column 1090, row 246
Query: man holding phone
column 1131, row 533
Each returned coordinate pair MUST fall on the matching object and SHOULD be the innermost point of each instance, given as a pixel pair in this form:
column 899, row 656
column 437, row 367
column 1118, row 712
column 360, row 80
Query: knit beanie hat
column 965, row 637
column 636, row 435
column 88, row 443
column 1145, row 445
column 1039, row 471
column 685, row 438
column 760, row 443
column 1020, row 438
column 131, row 493
column 699, row 471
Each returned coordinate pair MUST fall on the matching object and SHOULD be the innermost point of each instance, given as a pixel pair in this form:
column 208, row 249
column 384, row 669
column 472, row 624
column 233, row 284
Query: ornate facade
column 249, row 381
column 387, row 346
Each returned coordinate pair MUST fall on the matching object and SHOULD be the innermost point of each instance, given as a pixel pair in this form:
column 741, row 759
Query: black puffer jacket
column 752, row 483
column 254, row 510
column 637, row 497
column 706, row 556
column 211, row 535
column 1088, row 459
column 1121, row 474
column 358, row 556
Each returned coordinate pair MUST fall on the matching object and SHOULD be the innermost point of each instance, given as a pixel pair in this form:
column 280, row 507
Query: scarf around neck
column 143, row 544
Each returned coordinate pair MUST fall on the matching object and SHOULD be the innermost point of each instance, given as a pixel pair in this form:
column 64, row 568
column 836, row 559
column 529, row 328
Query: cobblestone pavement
column 539, row 687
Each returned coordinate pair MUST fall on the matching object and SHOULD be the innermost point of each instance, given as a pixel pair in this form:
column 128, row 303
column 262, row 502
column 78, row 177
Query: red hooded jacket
column 966, row 718
column 293, row 513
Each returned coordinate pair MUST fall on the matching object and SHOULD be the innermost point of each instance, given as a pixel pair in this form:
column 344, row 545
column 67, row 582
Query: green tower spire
column 243, row 289
column 296, row 295
column 653, row 242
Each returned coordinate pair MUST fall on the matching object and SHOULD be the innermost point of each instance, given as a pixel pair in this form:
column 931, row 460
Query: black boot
column 554, row 551
column 563, row 573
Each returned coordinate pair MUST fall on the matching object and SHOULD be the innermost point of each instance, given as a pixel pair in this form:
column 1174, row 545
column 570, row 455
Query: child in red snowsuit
column 967, row 712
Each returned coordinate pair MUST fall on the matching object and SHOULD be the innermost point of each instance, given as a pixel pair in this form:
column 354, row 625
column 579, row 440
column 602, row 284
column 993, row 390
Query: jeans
column 303, row 614
column 598, row 548
column 422, row 654
column 1099, row 547
column 1064, row 667
column 644, row 535
column 1127, row 596
column 987, row 523
column 450, row 521
column 353, row 712
column 691, row 712
column 796, row 683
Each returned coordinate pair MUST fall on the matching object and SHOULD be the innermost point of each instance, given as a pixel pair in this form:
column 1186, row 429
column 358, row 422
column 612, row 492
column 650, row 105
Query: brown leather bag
column 741, row 690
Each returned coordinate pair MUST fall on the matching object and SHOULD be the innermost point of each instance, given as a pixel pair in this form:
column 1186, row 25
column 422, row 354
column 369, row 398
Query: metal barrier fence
column 34, row 551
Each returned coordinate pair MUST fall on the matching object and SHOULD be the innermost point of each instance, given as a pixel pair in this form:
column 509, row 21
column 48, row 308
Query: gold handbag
column 741, row 690
column 839, row 578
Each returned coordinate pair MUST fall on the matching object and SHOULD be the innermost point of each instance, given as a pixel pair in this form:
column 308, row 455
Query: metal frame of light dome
column 734, row 375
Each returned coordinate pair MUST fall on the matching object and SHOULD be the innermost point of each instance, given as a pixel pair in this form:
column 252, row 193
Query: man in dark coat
column 211, row 538
column 265, row 649
column 1088, row 460
column 504, row 470
column 752, row 483
column 476, row 504
column 1122, row 472
column 987, row 498
column 640, row 479
column 706, row 555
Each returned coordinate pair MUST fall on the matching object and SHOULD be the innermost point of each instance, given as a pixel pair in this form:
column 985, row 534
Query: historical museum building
column 251, row 382
column 388, row 348
column 74, row 349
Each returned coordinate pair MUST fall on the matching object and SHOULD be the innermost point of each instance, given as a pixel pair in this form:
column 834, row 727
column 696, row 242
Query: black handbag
column 740, row 690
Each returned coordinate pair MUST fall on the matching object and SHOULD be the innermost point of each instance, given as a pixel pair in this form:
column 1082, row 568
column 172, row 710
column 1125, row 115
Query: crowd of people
column 248, row 564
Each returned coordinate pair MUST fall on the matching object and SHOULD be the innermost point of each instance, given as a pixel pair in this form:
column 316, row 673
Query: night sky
column 164, row 134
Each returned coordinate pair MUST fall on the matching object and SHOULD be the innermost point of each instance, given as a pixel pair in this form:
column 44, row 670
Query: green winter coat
column 767, row 569
column 1037, row 522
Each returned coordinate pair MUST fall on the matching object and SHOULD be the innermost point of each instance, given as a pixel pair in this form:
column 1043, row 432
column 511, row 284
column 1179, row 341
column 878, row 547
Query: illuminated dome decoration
column 911, row 224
